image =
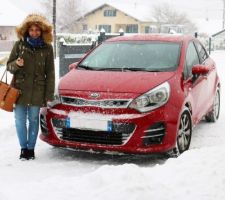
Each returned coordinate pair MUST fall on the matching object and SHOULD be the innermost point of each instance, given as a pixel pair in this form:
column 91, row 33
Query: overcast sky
column 194, row 8
column 210, row 10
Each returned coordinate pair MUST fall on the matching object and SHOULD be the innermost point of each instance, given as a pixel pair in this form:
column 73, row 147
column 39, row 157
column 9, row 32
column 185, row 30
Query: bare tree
column 48, row 8
column 67, row 13
column 165, row 14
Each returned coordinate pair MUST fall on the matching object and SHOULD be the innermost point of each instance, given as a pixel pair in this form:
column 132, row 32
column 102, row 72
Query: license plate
column 89, row 124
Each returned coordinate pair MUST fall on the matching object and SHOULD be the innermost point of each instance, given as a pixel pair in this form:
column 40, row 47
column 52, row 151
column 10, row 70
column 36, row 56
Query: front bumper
column 139, row 133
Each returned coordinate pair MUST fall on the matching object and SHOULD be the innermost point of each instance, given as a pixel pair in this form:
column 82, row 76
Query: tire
column 184, row 134
column 213, row 115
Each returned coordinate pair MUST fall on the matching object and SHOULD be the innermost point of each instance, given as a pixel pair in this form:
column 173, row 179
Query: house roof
column 136, row 11
column 10, row 15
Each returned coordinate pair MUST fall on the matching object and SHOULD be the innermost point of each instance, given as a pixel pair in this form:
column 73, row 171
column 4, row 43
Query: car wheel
column 184, row 132
column 213, row 115
column 183, row 135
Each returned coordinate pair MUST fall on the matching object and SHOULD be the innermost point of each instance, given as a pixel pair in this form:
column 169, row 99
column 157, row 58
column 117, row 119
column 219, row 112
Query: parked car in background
column 137, row 94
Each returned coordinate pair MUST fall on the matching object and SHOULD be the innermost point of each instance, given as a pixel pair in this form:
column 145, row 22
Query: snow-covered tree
column 166, row 14
column 66, row 13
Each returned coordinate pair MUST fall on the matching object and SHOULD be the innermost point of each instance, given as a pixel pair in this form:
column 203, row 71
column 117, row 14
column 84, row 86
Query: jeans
column 27, row 135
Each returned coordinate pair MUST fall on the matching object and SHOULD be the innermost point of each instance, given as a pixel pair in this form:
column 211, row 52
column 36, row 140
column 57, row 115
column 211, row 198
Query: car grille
column 119, row 135
column 114, row 103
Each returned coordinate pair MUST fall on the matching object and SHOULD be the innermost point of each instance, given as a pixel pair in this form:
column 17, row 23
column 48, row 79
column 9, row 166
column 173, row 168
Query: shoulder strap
column 4, row 73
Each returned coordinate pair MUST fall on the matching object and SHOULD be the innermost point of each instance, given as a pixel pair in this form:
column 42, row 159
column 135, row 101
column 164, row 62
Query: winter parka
column 36, row 79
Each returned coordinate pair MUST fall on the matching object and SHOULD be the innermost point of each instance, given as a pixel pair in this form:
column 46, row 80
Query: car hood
column 111, row 81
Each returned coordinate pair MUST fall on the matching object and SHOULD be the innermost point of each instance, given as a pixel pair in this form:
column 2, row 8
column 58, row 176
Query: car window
column 203, row 55
column 146, row 56
column 191, row 60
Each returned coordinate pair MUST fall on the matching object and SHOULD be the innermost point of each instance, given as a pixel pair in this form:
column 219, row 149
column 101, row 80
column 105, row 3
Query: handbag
column 8, row 94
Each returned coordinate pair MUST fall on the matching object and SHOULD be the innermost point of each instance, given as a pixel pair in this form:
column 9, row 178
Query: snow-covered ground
column 198, row 174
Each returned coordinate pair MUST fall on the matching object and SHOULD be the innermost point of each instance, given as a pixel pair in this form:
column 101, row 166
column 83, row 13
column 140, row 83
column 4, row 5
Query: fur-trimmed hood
column 40, row 21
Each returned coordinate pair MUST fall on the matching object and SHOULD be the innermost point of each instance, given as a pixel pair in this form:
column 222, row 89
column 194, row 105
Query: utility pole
column 223, row 14
column 54, row 25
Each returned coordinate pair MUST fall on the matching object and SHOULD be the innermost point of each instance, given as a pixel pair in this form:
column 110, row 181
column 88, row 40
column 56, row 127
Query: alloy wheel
column 184, row 132
column 216, row 105
column 213, row 115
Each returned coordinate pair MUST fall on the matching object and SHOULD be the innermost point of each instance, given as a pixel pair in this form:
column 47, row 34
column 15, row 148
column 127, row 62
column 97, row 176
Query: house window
column 107, row 28
column 109, row 13
column 132, row 28
column 85, row 27
column 147, row 29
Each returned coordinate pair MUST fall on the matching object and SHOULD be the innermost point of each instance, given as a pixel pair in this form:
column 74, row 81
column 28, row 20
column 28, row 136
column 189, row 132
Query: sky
column 195, row 8
column 205, row 13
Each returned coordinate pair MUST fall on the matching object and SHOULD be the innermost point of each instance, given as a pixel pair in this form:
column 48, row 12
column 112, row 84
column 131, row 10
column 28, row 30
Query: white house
column 10, row 17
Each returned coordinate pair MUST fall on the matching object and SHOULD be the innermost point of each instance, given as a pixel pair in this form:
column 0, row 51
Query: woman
column 32, row 63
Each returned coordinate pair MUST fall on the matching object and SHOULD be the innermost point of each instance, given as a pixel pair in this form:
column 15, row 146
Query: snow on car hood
column 111, row 81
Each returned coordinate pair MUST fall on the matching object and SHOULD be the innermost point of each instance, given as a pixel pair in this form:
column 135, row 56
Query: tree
column 66, row 13
column 165, row 14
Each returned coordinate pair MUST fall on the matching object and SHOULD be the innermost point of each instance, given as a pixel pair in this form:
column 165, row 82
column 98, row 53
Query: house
column 132, row 19
column 10, row 17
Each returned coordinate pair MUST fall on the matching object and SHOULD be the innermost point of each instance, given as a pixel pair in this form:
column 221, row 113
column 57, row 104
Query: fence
column 217, row 41
column 6, row 45
column 70, row 53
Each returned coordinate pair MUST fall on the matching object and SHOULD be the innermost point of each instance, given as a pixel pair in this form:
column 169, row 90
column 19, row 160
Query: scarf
column 34, row 42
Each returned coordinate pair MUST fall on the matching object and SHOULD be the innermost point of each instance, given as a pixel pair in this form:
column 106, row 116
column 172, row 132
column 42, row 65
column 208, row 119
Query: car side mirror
column 200, row 70
column 73, row 66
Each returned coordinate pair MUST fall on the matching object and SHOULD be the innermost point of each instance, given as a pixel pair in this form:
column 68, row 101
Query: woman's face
column 34, row 31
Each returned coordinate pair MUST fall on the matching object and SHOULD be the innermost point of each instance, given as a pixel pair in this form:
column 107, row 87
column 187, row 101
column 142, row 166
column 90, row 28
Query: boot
column 23, row 154
column 31, row 154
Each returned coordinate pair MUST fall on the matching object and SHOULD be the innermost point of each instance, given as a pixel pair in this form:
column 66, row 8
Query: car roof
column 152, row 37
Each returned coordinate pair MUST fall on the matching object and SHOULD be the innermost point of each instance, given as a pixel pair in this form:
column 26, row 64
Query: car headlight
column 152, row 99
column 56, row 101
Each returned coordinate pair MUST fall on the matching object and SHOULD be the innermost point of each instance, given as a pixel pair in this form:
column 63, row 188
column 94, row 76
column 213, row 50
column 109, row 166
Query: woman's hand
column 20, row 62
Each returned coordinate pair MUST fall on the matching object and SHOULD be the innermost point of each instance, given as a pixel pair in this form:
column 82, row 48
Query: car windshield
column 133, row 56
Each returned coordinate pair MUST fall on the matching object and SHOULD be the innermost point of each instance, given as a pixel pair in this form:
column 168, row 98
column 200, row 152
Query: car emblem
column 94, row 95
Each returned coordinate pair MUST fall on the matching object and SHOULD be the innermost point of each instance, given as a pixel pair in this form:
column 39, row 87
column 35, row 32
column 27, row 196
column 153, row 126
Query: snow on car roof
column 152, row 37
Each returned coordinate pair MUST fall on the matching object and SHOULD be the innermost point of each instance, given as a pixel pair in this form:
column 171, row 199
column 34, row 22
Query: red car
column 134, row 94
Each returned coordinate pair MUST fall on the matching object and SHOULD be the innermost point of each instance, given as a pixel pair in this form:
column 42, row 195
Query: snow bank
column 62, row 174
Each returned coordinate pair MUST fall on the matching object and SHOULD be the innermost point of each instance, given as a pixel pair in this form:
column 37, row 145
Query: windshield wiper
column 109, row 69
column 118, row 69
column 140, row 69
column 86, row 67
